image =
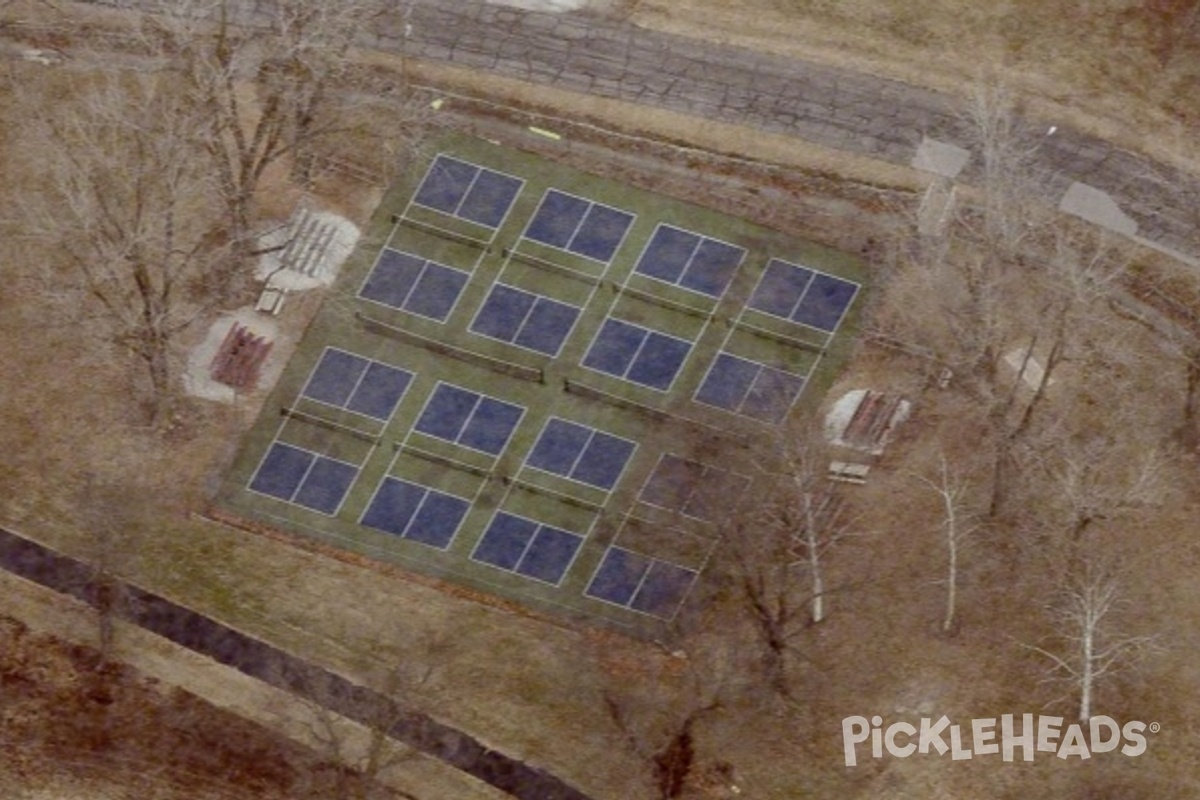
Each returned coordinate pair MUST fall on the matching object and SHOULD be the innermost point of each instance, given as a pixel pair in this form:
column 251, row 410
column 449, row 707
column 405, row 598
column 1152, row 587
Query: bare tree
column 1164, row 299
column 366, row 757
column 998, row 294
column 662, row 733
column 1190, row 353
column 127, row 204
column 1179, row 335
column 772, row 588
column 110, row 544
column 778, row 554
column 360, row 730
column 1102, row 480
column 108, row 517
column 1010, row 184
column 1164, row 304
column 812, row 510
column 1090, row 650
column 1063, row 298
column 265, row 84
column 959, row 524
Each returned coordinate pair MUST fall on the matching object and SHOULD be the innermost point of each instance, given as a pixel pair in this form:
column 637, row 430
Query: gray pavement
column 859, row 113
column 850, row 111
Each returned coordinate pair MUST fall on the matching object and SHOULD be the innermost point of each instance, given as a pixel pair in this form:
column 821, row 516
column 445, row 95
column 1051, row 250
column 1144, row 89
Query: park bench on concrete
column 271, row 300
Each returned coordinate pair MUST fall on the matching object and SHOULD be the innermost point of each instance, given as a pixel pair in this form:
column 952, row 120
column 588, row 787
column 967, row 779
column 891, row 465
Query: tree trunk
column 1087, row 675
column 999, row 478
column 818, row 579
column 673, row 763
column 108, row 598
column 1191, row 401
column 154, row 353
column 1052, row 359
column 951, row 576
column 775, row 654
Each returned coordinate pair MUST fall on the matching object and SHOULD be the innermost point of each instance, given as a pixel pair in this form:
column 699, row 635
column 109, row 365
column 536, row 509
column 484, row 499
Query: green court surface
column 540, row 384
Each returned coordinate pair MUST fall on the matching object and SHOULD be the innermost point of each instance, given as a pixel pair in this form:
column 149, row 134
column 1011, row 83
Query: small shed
column 862, row 423
column 865, row 420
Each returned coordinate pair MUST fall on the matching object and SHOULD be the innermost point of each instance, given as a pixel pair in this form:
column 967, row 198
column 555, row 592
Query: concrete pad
column 196, row 380
column 1170, row 252
column 1034, row 371
column 1097, row 207
column 839, row 417
column 271, row 269
column 940, row 158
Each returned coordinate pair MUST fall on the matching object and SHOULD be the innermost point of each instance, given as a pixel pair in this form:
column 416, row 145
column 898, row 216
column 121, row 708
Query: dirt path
column 259, row 660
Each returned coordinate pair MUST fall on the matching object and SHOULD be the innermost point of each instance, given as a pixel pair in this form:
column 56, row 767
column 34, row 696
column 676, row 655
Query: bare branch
column 1091, row 649
column 959, row 524
column 125, row 202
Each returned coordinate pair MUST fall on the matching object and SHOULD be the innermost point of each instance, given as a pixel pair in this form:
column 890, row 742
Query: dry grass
column 521, row 684
column 906, row 669
column 531, row 688
column 1094, row 64
column 68, row 736
column 56, row 624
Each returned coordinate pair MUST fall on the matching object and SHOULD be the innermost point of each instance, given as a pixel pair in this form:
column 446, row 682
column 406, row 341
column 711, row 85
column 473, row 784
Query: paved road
column 864, row 114
column 845, row 110
column 257, row 659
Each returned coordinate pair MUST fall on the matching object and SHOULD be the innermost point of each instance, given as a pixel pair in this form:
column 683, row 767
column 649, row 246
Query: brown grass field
column 534, row 687
column 1125, row 71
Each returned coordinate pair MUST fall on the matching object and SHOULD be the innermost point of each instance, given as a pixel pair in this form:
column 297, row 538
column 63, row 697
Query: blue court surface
column 528, row 548
column 690, row 260
column 579, row 226
column 304, row 478
column 580, row 453
column 525, row 319
column 803, row 295
column 414, row 284
column 750, row 388
column 466, row 190
column 644, row 584
column 637, row 354
column 415, row 512
column 469, row 419
column 689, row 487
column 357, row 384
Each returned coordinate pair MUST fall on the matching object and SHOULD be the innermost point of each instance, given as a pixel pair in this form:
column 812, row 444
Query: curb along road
column 257, row 659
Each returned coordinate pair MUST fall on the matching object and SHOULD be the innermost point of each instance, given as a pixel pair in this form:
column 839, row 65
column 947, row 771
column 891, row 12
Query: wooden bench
column 270, row 301
column 847, row 472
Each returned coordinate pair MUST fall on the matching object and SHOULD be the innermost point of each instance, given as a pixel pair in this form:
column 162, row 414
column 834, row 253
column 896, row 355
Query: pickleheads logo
column 1030, row 734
